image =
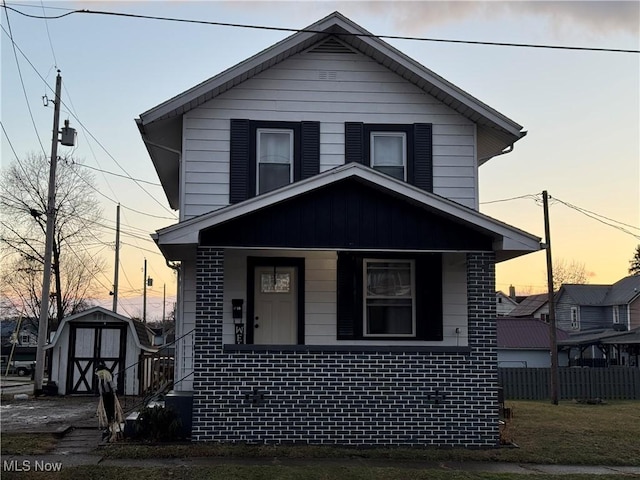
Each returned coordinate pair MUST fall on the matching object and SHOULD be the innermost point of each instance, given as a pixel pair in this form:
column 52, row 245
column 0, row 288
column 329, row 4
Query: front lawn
column 568, row 433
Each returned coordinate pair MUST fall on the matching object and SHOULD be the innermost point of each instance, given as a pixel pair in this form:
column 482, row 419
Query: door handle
column 256, row 325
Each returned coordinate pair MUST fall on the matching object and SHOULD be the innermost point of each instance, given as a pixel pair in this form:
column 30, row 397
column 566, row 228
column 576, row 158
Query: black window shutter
column 349, row 309
column 310, row 150
column 354, row 143
column 422, row 157
column 239, row 161
column 429, row 297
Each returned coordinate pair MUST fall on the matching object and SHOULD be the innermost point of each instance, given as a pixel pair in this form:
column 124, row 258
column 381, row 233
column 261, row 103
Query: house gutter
column 509, row 149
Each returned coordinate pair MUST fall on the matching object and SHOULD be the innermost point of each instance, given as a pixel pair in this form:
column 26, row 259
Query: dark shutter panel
column 354, row 143
column 310, row 134
column 429, row 297
column 349, row 283
column 422, row 157
column 239, row 161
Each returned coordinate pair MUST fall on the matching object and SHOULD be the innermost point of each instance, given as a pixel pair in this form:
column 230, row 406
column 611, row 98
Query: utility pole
column 117, row 265
column 552, row 310
column 164, row 302
column 43, row 325
column 144, row 294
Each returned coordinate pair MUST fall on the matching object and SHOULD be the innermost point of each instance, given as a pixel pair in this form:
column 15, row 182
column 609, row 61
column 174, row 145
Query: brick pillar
column 481, row 309
column 208, row 336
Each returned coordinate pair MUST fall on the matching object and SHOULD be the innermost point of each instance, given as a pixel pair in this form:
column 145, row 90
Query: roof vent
column 332, row 45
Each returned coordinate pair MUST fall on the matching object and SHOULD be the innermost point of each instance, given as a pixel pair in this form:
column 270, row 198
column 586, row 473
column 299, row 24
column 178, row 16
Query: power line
column 528, row 196
column 53, row 53
column 90, row 134
column 118, row 175
column 24, row 90
column 297, row 30
column 596, row 217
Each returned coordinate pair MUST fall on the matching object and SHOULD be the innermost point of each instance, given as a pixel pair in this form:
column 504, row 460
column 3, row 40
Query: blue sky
column 581, row 109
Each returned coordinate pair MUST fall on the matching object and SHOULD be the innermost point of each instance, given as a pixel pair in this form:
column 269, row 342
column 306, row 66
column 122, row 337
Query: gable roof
column 501, row 294
column 526, row 333
column 530, row 305
column 620, row 293
column 141, row 335
column 508, row 241
column 161, row 126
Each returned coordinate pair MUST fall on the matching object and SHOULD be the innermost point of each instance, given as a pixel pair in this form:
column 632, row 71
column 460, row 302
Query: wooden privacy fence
column 612, row 383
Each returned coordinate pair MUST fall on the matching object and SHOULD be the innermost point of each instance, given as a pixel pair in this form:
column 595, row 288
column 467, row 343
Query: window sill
column 346, row 348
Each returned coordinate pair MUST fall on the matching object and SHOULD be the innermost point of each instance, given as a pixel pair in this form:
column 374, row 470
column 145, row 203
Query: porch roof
column 456, row 227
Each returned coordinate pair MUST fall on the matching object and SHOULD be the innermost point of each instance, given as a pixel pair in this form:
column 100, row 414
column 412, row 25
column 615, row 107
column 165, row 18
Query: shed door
column 88, row 344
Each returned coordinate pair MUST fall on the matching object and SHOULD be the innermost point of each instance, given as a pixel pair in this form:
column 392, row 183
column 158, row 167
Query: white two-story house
column 337, row 280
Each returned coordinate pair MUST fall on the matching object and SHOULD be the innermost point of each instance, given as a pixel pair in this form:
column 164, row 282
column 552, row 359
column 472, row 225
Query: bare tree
column 634, row 268
column 568, row 273
column 23, row 201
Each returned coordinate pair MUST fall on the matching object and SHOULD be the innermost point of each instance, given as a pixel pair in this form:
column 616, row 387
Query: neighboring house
column 504, row 304
column 337, row 281
column 590, row 307
column 97, row 334
column 536, row 306
column 525, row 343
column 26, row 337
column 603, row 348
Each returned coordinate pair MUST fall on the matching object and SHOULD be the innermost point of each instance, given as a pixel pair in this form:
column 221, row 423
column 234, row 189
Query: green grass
column 278, row 472
column 27, row 443
column 568, row 433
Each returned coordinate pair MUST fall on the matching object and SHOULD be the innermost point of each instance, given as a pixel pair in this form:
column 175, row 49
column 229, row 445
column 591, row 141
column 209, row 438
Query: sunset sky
column 581, row 109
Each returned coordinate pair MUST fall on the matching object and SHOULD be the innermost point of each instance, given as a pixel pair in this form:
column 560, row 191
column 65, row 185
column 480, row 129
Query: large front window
column 275, row 159
column 389, row 153
column 389, row 298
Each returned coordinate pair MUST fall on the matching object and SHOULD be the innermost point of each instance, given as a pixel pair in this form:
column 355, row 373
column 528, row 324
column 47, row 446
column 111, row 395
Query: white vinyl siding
column 320, row 297
column 363, row 91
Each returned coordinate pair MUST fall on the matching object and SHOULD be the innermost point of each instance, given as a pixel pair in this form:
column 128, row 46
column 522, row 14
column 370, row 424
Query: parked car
column 21, row 368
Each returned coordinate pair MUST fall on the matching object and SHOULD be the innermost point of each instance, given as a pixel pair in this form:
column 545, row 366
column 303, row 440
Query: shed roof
column 525, row 333
column 141, row 334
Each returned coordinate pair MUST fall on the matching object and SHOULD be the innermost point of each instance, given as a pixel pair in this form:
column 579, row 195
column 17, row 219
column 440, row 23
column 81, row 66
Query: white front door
column 275, row 313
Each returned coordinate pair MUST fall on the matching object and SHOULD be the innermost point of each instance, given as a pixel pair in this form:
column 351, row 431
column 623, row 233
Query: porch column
column 208, row 338
column 483, row 338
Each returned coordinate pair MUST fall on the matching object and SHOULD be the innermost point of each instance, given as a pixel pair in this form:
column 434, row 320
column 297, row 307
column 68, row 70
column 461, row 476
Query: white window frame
column 575, row 318
column 616, row 314
column 259, row 132
column 368, row 261
column 403, row 135
column 25, row 339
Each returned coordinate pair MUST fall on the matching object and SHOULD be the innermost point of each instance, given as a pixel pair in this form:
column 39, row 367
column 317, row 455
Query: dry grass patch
column 569, row 433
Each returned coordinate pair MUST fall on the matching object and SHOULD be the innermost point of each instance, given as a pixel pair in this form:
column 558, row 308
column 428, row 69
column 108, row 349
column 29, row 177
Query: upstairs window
column 275, row 159
column 389, row 153
column 265, row 155
column 403, row 151
column 575, row 318
column 616, row 314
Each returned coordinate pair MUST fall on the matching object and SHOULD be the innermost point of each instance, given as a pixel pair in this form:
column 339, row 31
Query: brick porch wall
column 346, row 397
